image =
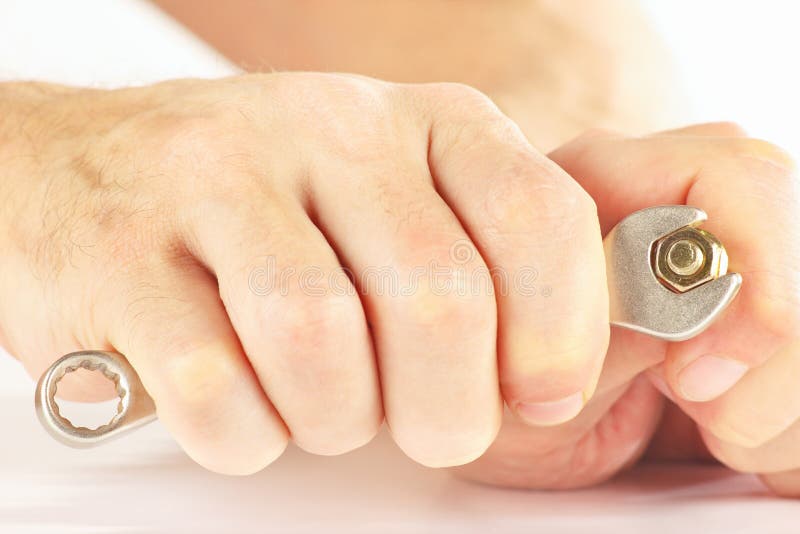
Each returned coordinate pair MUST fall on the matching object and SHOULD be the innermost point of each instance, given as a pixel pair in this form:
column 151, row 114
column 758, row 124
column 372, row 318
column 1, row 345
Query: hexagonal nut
column 688, row 258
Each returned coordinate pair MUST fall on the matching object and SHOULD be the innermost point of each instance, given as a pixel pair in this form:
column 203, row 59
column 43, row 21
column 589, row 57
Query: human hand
column 135, row 220
column 738, row 380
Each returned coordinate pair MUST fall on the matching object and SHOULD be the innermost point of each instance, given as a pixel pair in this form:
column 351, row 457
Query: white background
column 740, row 63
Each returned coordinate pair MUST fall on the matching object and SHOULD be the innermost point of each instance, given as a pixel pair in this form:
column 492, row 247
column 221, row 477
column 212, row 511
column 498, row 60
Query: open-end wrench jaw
column 638, row 300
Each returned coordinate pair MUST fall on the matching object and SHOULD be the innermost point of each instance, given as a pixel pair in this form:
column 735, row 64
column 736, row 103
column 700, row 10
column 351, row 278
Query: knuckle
column 531, row 192
column 432, row 310
column 465, row 117
column 190, row 395
column 196, row 379
column 442, row 284
column 308, row 332
column 309, row 323
column 441, row 308
column 473, row 130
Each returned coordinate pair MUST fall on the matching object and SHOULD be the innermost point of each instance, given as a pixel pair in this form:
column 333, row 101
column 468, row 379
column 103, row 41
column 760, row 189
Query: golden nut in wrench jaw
column 687, row 258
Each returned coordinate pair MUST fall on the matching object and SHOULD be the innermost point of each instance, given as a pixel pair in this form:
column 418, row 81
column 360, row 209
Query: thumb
column 749, row 190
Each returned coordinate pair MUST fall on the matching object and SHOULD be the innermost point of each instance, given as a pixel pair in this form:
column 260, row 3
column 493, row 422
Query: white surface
column 739, row 64
column 143, row 483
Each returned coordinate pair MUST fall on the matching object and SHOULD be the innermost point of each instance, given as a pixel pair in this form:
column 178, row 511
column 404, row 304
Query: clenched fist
column 226, row 235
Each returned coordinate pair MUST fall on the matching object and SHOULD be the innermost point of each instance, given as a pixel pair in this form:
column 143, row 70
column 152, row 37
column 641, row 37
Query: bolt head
column 685, row 257
column 688, row 258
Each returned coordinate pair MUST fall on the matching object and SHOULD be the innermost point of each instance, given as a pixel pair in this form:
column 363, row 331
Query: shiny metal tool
column 135, row 407
column 666, row 278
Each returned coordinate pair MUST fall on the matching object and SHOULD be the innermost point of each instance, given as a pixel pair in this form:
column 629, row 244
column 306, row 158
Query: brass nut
column 688, row 258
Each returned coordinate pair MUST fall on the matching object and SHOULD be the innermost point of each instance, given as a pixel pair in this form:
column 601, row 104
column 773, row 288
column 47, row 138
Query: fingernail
column 708, row 377
column 551, row 413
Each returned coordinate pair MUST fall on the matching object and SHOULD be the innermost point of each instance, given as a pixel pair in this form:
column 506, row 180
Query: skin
column 134, row 231
column 750, row 190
